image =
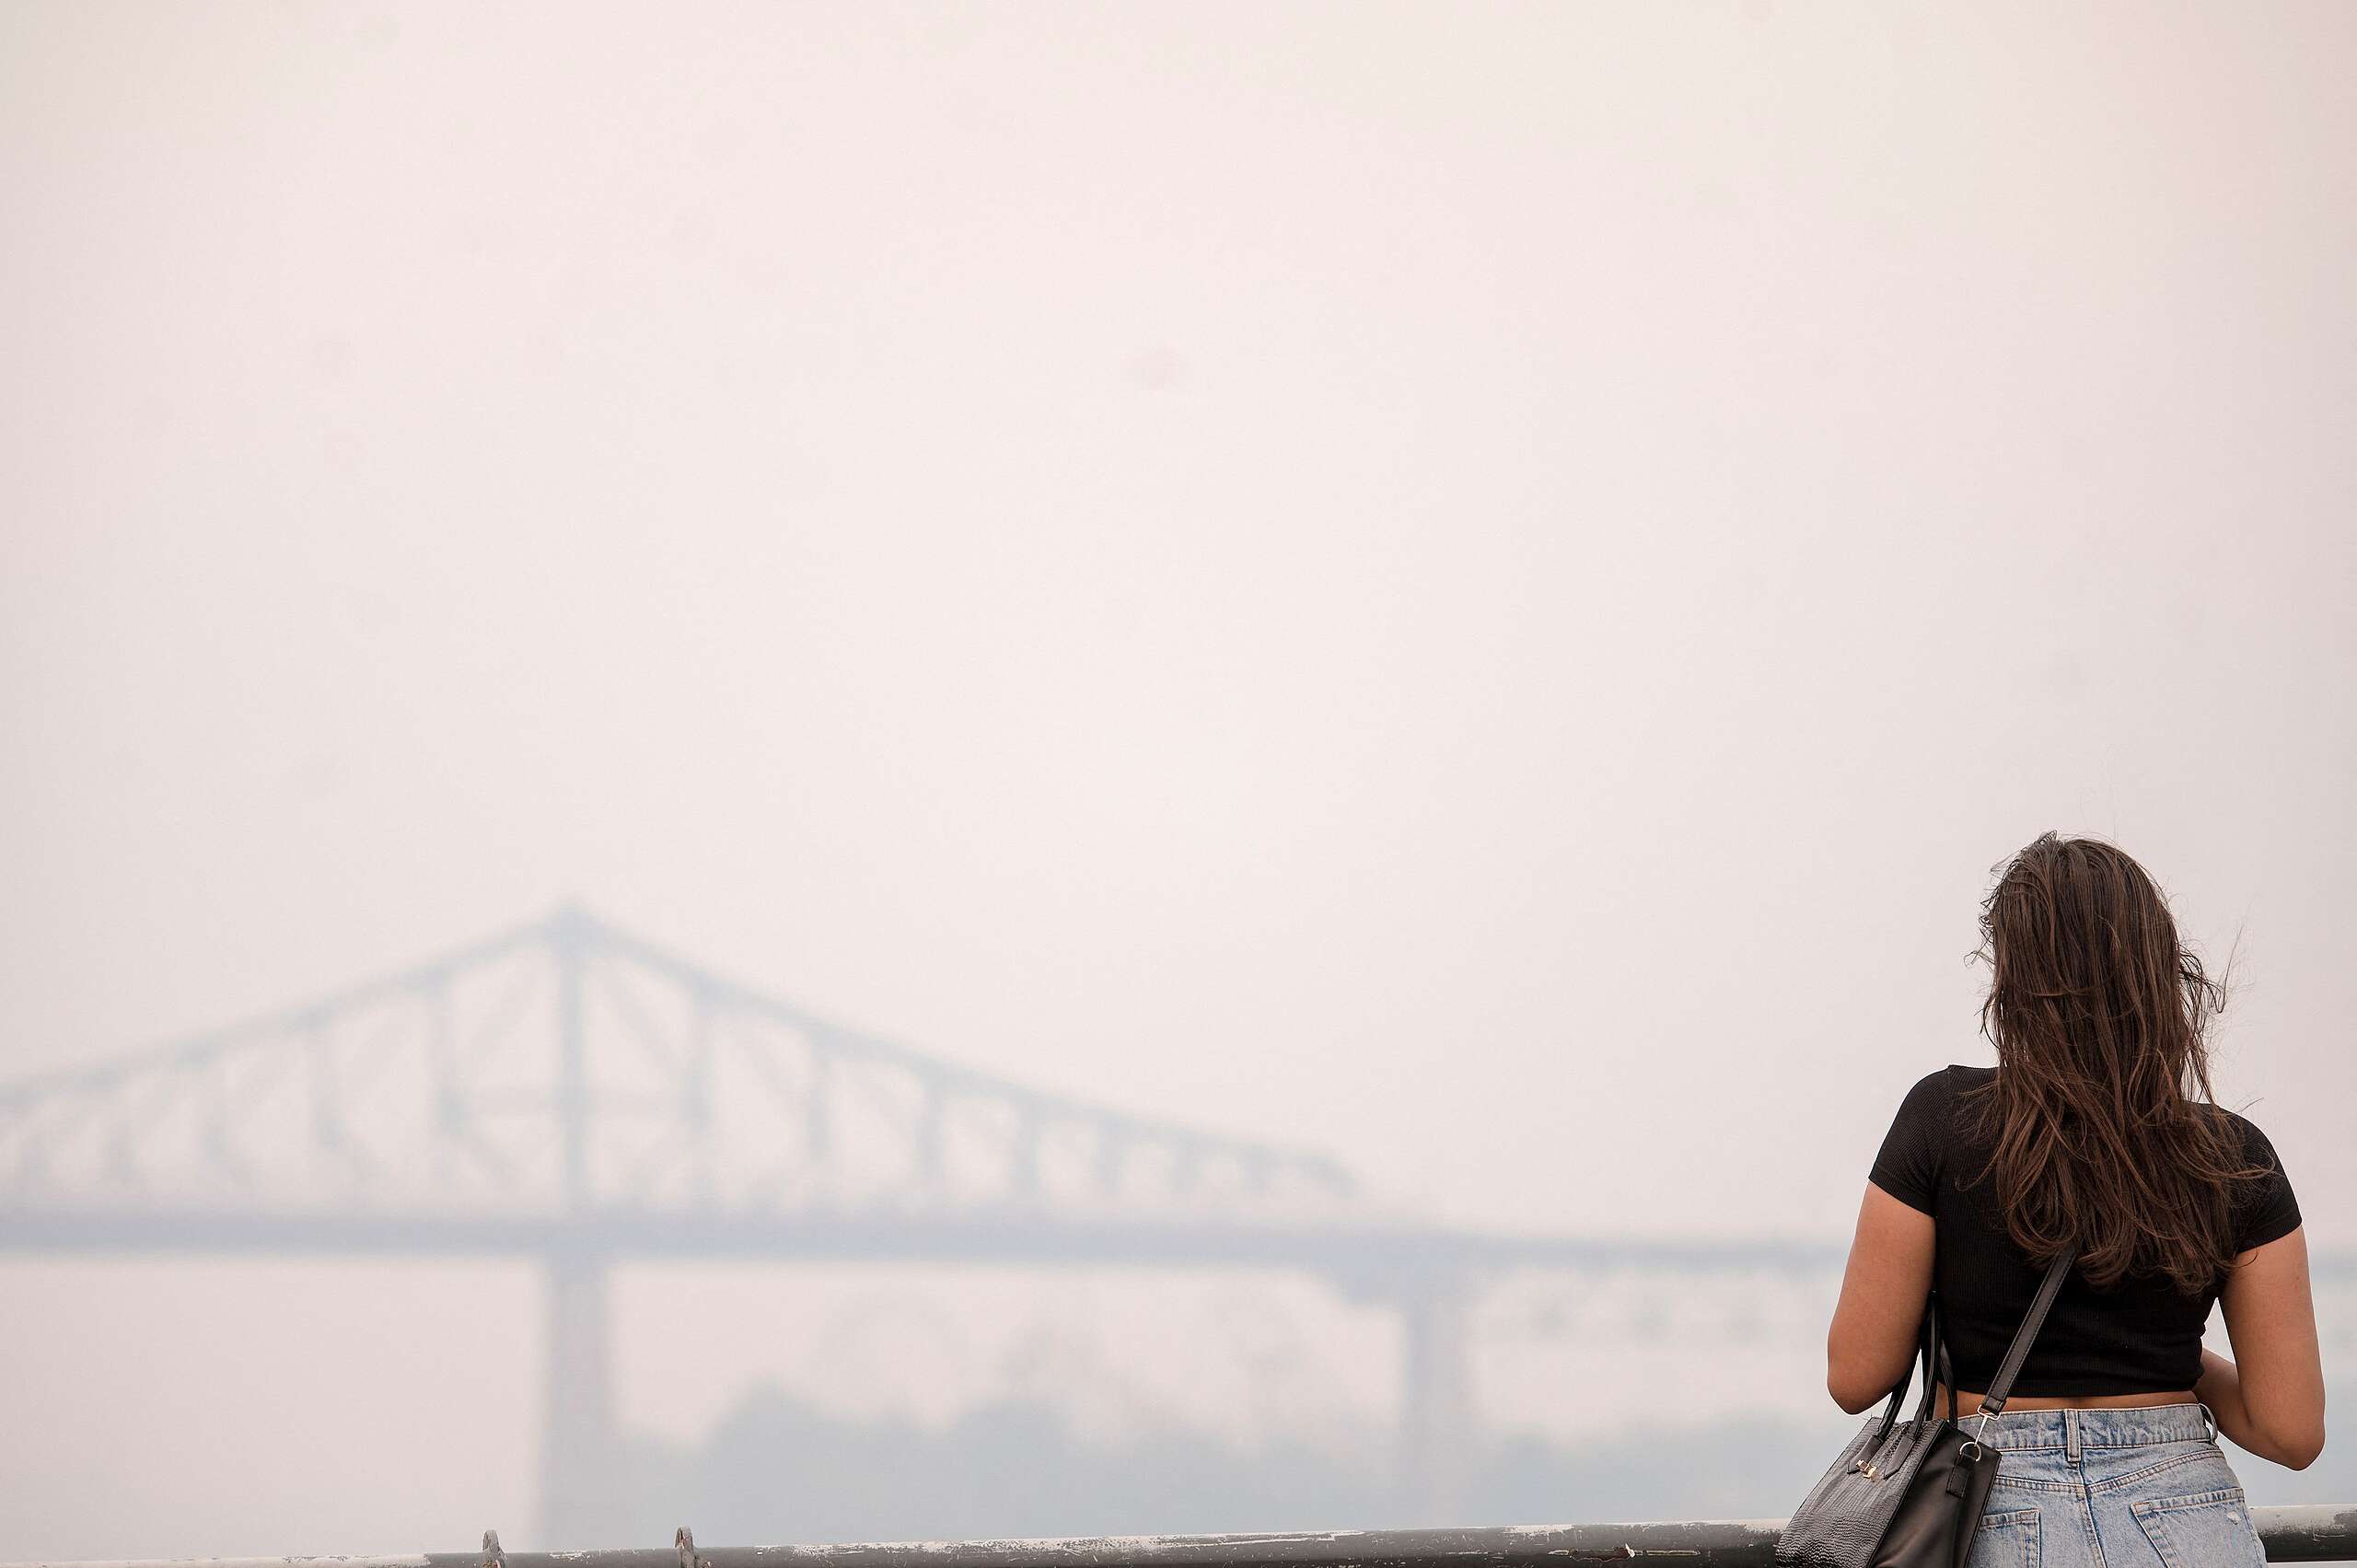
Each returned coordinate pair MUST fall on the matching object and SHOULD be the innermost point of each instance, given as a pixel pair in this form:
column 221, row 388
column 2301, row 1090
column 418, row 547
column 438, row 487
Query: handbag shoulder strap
column 2001, row 1387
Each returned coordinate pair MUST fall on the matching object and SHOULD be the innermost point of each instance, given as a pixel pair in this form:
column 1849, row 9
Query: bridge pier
column 1436, row 1424
column 580, row 1472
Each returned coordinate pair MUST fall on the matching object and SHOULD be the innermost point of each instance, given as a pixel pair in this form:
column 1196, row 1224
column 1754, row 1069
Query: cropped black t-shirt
column 2140, row 1336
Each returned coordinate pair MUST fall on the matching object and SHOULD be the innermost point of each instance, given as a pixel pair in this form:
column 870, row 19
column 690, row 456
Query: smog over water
column 881, row 773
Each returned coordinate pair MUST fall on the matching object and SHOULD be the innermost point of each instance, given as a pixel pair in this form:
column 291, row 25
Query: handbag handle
column 1927, row 1344
column 1936, row 1371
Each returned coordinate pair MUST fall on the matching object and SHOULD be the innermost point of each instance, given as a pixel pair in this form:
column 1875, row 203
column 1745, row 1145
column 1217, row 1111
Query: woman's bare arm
column 1882, row 1291
column 2269, row 1398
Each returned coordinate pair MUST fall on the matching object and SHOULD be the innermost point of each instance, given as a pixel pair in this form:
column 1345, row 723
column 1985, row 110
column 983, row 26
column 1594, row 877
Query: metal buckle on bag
column 1973, row 1445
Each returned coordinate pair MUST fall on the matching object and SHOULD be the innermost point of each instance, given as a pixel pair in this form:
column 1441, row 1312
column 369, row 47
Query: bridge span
column 569, row 1094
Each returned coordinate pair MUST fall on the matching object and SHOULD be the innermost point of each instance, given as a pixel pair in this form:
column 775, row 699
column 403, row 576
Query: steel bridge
column 569, row 1094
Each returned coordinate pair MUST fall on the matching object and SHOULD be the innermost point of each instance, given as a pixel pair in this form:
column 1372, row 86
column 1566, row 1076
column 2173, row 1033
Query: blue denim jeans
column 2112, row 1489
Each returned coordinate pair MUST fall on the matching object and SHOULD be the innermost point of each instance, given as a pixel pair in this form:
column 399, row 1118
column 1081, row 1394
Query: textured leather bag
column 1910, row 1494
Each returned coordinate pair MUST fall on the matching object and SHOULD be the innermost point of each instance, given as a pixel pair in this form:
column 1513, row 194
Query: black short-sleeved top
column 2140, row 1336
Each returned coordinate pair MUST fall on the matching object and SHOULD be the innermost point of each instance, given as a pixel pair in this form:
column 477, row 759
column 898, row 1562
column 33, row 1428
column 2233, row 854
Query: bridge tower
column 580, row 1468
column 1437, row 1430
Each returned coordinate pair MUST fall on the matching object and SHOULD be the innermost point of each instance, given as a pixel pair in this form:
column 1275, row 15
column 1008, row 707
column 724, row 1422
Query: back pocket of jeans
column 2005, row 1540
column 2201, row 1529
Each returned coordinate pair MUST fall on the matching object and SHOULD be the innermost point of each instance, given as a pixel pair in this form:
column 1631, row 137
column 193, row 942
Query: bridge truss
column 569, row 1093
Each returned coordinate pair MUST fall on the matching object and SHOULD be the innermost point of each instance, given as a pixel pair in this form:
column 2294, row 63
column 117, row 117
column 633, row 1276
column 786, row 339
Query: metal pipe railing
column 2308, row 1533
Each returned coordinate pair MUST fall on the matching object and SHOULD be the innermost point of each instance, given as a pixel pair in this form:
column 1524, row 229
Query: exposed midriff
column 1969, row 1400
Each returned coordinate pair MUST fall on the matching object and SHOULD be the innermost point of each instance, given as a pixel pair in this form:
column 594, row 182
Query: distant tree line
column 778, row 1469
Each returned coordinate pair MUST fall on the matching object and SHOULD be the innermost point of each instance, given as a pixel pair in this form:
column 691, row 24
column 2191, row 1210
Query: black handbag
column 1910, row 1494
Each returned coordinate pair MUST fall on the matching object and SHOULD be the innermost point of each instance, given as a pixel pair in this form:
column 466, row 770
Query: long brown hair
column 2104, row 1135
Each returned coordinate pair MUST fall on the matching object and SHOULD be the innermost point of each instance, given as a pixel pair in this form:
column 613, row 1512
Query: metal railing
column 2310, row 1533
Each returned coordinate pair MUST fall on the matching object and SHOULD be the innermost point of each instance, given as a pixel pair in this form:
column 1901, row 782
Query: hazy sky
column 1477, row 587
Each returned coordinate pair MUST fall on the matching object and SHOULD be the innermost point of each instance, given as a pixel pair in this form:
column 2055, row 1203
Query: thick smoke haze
column 1479, row 590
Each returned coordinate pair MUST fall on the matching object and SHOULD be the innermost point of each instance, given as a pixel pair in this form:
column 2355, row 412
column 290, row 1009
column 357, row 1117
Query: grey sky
column 1479, row 588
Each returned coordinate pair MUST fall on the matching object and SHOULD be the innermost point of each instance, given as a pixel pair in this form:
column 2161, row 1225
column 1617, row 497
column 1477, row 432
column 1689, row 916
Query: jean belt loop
column 2070, row 1434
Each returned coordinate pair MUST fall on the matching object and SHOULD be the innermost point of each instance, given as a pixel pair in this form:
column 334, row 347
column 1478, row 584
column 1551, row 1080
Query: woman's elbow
column 1857, row 1375
column 2297, row 1451
column 2290, row 1432
column 1849, row 1391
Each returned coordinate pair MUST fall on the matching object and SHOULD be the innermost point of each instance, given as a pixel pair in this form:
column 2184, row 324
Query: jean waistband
column 2113, row 1426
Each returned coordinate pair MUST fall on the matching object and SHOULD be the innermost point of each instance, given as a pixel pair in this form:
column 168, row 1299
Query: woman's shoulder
column 2257, row 1148
column 2267, row 1208
column 1939, row 1086
column 1933, row 1114
column 1929, row 1106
